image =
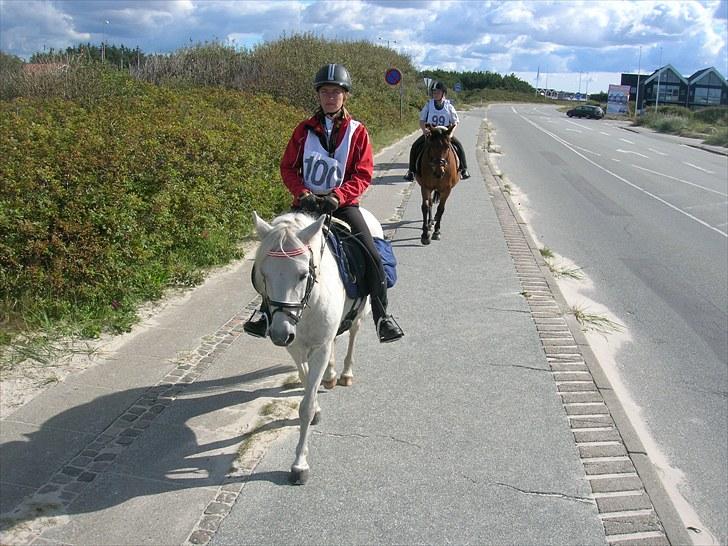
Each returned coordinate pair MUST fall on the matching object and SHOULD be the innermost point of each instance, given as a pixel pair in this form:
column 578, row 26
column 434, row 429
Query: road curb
column 633, row 505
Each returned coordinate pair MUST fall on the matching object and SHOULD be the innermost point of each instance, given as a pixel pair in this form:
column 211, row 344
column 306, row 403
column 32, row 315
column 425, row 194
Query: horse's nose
column 282, row 340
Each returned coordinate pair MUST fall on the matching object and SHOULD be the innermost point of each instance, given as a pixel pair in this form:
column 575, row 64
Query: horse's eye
column 302, row 277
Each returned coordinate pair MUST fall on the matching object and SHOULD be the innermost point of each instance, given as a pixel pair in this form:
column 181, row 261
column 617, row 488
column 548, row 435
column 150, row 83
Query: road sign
column 458, row 87
column 393, row 76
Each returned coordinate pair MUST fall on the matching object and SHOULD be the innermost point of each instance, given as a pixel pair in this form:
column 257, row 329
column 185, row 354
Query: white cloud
column 500, row 36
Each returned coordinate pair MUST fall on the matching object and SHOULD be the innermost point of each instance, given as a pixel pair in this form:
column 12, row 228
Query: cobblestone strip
column 625, row 509
column 72, row 478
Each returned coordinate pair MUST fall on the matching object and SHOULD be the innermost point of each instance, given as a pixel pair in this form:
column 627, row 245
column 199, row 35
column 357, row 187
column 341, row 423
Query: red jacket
column 359, row 164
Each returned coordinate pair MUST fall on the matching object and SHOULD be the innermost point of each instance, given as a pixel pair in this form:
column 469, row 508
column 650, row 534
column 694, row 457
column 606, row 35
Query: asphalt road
column 646, row 216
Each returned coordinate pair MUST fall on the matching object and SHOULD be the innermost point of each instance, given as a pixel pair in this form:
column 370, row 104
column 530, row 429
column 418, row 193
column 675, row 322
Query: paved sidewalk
column 462, row 432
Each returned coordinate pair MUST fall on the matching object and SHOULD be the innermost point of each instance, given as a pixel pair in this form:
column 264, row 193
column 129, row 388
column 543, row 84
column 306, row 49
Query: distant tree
column 9, row 63
column 117, row 56
column 479, row 80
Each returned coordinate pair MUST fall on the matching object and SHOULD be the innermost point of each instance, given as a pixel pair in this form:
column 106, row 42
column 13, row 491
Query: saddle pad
column 350, row 258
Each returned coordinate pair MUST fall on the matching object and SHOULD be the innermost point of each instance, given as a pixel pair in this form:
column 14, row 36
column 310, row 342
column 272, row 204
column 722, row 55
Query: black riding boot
column 464, row 174
column 258, row 328
column 387, row 328
column 415, row 150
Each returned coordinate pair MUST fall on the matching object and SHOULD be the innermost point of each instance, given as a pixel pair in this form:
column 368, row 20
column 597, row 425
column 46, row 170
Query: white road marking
column 631, row 152
column 624, row 180
column 656, row 151
column 587, row 151
column 579, row 125
column 627, row 141
column 681, row 180
column 696, row 167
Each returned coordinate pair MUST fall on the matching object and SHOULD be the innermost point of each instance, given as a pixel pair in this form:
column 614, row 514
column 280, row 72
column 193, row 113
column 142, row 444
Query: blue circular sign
column 393, row 76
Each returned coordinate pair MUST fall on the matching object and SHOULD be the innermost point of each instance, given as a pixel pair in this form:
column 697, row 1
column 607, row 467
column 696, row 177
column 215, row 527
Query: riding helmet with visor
column 332, row 74
column 441, row 86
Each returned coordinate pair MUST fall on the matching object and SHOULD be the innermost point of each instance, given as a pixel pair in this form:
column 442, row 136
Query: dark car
column 586, row 111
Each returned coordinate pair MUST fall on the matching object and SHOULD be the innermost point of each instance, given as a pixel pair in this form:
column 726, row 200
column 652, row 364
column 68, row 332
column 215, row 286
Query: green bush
column 714, row 115
column 103, row 206
column 719, row 137
column 671, row 124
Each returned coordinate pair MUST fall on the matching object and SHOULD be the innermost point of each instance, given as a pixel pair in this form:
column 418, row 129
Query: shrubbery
column 104, row 205
column 707, row 123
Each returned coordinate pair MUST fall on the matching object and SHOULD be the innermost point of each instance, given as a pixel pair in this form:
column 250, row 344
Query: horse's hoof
column 346, row 381
column 329, row 383
column 298, row 477
column 436, row 236
column 425, row 240
column 316, row 418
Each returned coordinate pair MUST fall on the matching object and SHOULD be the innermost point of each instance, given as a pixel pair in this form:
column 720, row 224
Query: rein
column 441, row 162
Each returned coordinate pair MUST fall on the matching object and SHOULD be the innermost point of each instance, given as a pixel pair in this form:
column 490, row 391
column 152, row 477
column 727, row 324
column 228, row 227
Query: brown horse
column 437, row 176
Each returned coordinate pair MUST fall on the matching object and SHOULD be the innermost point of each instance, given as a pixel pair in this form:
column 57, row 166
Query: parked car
column 586, row 111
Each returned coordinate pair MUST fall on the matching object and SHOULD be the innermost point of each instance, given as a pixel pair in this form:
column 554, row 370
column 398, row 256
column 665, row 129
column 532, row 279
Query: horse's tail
column 436, row 197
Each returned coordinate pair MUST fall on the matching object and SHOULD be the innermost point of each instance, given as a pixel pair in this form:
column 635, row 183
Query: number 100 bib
column 322, row 173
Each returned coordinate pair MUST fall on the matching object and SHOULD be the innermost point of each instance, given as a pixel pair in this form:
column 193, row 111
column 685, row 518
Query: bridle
column 436, row 162
column 291, row 309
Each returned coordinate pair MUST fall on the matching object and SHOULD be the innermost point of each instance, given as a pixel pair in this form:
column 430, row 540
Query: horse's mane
column 283, row 235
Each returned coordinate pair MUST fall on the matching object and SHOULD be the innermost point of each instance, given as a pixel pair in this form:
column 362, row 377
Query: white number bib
column 322, row 173
column 437, row 117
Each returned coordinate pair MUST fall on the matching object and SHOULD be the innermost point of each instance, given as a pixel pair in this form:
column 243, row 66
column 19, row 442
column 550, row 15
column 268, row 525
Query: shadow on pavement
column 167, row 456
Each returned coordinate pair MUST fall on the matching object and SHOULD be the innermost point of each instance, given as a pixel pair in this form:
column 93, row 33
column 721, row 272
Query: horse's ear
column 450, row 129
column 307, row 233
column 261, row 226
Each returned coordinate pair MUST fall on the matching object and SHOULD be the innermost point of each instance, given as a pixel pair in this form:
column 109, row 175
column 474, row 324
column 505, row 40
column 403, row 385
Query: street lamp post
column 659, row 73
column 103, row 44
column 637, row 96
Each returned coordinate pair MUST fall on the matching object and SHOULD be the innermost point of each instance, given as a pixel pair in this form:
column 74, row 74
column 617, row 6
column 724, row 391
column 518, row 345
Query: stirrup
column 257, row 328
column 394, row 331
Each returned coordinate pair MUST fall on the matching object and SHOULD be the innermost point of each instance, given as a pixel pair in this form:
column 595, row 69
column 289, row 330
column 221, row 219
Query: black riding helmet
column 334, row 74
column 441, row 86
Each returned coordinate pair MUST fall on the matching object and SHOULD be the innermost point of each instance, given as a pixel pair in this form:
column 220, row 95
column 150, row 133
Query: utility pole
column 657, row 99
column 637, row 96
column 103, row 45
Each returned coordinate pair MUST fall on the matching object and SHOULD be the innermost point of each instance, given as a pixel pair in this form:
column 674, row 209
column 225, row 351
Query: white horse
column 298, row 276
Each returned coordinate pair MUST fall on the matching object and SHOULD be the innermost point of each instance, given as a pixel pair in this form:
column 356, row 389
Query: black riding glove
column 328, row 204
column 308, row 202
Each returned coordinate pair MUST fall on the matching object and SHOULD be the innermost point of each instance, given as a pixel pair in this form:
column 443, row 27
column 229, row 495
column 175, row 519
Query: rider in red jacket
column 327, row 166
column 359, row 163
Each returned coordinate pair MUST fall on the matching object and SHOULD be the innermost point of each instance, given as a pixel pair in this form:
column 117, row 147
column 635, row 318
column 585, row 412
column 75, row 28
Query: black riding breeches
column 460, row 151
column 375, row 279
column 418, row 145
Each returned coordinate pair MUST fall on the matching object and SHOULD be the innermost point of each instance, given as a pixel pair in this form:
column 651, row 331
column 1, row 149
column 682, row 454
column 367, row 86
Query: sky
column 577, row 46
